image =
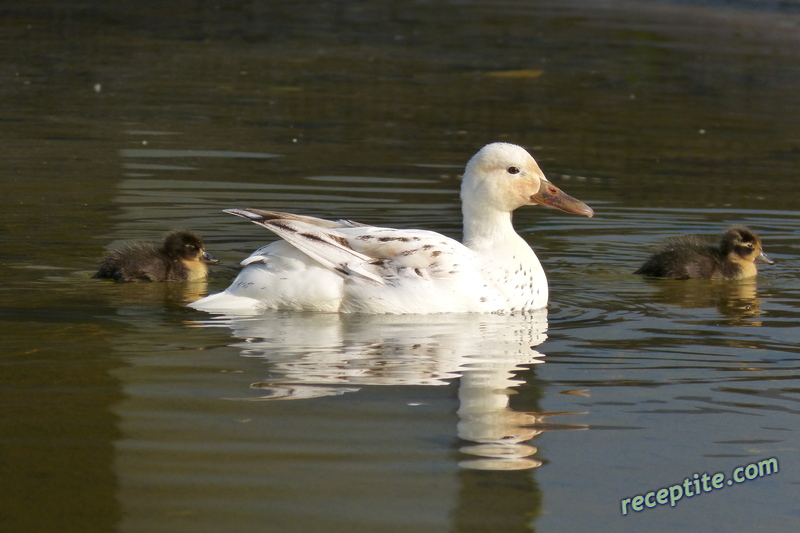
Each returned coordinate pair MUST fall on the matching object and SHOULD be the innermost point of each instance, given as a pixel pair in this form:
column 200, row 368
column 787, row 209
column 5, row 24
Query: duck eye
column 513, row 170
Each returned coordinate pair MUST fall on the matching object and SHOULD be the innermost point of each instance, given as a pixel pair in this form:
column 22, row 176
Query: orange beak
column 551, row 195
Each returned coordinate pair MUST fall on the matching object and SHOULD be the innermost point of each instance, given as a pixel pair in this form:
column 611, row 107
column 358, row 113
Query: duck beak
column 764, row 258
column 551, row 195
column 207, row 257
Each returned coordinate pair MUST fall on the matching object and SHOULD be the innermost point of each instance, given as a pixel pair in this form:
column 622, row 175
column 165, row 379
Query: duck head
column 186, row 246
column 743, row 245
column 503, row 177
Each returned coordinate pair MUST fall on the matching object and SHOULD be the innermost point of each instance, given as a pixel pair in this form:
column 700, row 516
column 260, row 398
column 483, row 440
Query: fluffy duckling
column 181, row 257
column 693, row 257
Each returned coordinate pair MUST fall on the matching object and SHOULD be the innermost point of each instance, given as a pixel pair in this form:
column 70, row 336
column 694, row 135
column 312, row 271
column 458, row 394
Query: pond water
column 124, row 410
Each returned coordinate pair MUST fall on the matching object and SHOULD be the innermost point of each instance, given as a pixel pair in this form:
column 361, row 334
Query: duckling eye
column 512, row 170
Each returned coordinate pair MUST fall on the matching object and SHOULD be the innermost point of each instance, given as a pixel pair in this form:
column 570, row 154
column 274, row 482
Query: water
column 124, row 410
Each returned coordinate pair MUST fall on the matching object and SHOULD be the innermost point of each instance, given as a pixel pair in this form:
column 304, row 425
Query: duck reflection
column 315, row 354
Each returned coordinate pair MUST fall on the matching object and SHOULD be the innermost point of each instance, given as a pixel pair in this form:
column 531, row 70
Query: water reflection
column 147, row 294
column 315, row 354
column 737, row 301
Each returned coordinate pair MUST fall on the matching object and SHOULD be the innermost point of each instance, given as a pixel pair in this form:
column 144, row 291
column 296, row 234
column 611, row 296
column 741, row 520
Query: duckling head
column 742, row 245
column 186, row 246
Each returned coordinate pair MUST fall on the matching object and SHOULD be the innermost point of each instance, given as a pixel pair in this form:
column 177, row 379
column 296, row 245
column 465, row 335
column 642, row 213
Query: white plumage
column 344, row 266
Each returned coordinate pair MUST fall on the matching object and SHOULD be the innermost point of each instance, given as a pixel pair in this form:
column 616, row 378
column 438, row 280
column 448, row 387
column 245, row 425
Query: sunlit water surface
column 124, row 410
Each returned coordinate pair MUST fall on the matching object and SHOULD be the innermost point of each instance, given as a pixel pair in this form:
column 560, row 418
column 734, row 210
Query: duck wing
column 344, row 266
column 314, row 237
column 381, row 255
column 260, row 215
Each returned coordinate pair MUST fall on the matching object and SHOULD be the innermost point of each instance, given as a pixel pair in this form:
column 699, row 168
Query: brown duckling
column 693, row 257
column 181, row 257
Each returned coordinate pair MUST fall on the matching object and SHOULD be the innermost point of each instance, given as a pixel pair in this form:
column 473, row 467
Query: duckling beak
column 764, row 258
column 207, row 257
column 551, row 195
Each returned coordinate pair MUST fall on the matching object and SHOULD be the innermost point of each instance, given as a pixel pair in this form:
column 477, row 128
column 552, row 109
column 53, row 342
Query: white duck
column 347, row 267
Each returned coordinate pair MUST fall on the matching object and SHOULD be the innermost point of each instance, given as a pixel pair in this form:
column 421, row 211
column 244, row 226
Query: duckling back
column 139, row 261
column 684, row 257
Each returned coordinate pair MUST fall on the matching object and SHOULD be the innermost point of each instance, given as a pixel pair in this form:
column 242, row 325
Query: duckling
column 181, row 257
column 693, row 257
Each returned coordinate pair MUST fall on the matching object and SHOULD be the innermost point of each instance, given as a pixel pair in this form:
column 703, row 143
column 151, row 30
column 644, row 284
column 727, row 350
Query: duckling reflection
column 693, row 257
column 737, row 300
column 180, row 257
column 155, row 296
column 315, row 355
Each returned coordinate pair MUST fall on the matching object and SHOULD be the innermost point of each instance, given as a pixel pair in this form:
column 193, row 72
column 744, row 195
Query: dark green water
column 122, row 410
